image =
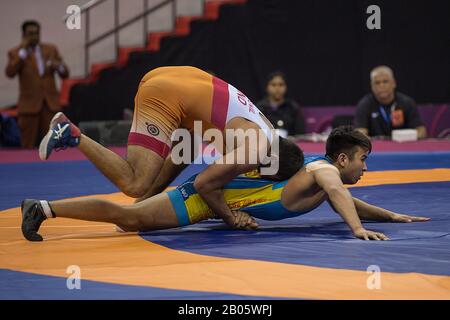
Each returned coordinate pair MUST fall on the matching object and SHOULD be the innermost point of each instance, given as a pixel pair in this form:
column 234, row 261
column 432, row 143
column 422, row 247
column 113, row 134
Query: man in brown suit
column 36, row 64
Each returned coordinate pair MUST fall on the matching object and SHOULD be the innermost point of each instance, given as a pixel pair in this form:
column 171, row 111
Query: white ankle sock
column 46, row 208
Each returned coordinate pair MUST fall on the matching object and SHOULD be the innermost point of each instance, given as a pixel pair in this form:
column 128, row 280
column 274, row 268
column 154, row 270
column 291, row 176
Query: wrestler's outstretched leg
column 152, row 214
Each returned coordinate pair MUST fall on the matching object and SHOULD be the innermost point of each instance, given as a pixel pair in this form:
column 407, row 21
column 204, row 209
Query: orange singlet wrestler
column 169, row 98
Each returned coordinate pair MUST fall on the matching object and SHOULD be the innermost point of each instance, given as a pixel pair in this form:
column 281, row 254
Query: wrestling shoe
column 62, row 134
column 32, row 217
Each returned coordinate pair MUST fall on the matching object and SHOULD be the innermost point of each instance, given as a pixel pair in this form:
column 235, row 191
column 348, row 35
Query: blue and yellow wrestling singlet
column 258, row 197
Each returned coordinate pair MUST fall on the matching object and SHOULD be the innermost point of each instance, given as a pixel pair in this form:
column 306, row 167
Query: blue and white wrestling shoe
column 62, row 134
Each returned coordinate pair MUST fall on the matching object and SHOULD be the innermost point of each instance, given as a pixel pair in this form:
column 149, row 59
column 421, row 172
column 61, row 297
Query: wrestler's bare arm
column 342, row 201
column 370, row 212
column 209, row 183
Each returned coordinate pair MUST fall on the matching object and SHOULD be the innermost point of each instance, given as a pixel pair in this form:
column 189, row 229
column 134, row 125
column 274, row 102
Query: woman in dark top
column 283, row 113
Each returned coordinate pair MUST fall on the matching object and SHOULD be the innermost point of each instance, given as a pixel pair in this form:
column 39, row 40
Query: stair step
column 96, row 68
column 124, row 53
column 183, row 25
column 212, row 8
column 67, row 85
column 154, row 40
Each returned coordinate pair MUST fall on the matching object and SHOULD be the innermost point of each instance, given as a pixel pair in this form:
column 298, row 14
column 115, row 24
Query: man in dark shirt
column 384, row 110
column 283, row 113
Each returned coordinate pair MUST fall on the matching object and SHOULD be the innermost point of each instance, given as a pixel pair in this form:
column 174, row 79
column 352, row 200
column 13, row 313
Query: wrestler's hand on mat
column 243, row 220
column 369, row 235
column 405, row 218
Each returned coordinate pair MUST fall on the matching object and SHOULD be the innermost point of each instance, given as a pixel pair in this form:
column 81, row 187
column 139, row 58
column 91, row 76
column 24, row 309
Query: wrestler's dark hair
column 345, row 139
column 291, row 160
column 29, row 23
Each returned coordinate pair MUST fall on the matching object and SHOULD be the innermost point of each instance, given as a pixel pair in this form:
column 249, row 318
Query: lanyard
column 387, row 117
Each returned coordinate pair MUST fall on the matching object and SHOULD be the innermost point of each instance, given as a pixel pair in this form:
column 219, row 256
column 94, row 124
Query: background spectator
column 36, row 64
column 283, row 113
column 385, row 109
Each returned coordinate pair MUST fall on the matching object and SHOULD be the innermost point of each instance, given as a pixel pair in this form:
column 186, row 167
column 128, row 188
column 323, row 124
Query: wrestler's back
column 191, row 87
